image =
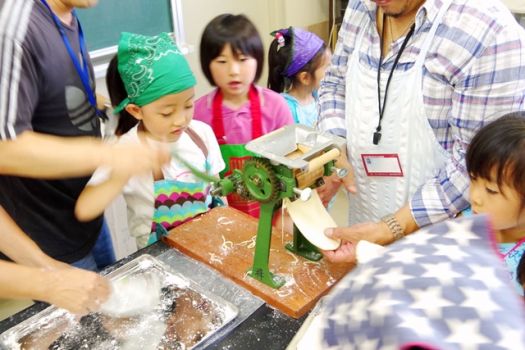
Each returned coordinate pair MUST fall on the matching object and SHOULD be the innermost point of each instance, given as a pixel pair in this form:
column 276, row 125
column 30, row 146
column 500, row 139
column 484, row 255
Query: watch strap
column 394, row 226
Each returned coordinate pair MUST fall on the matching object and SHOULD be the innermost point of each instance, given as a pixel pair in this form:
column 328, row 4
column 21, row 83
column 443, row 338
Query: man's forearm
column 46, row 156
column 18, row 246
column 406, row 220
column 20, row 282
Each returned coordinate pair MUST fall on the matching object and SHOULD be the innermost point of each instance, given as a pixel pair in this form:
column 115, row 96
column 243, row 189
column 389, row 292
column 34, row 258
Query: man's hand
column 345, row 253
column 349, row 180
column 329, row 189
column 78, row 291
column 370, row 231
column 333, row 182
column 127, row 160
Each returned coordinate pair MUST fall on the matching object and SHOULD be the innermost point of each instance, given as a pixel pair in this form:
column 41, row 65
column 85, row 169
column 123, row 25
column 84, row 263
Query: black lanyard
column 382, row 104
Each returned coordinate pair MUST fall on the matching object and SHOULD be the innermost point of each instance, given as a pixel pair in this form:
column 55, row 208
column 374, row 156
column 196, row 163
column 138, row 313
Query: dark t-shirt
column 42, row 91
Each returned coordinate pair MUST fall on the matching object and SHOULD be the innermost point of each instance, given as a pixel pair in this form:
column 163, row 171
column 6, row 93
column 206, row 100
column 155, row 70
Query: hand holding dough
column 312, row 218
column 133, row 295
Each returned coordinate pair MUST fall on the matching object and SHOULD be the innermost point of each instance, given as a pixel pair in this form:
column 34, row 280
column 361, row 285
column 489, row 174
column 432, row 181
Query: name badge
column 387, row 164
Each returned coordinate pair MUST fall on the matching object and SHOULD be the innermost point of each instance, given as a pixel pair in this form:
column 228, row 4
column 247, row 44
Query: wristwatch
column 394, row 226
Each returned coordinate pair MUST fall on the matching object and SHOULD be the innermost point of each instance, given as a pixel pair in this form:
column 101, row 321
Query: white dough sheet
column 312, row 218
column 133, row 295
column 366, row 251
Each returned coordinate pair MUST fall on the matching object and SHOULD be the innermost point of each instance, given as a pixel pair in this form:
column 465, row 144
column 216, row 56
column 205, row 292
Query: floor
column 10, row 307
column 338, row 211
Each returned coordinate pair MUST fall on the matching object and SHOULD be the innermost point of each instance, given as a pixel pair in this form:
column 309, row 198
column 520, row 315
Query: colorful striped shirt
column 474, row 73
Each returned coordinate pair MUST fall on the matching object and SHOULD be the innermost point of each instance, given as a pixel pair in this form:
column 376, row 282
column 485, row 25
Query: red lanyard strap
column 255, row 110
column 516, row 246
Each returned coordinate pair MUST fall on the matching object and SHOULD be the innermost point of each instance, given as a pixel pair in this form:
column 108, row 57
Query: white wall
column 267, row 15
column 197, row 13
column 302, row 13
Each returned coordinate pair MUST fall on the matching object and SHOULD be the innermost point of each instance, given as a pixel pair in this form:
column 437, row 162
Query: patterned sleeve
column 18, row 74
column 332, row 90
column 491, row 85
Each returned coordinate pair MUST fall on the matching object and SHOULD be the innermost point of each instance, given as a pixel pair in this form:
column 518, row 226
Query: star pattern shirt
column 444, row 287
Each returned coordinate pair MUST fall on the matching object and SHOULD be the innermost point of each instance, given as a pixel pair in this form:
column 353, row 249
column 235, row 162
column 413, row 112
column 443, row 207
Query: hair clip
column 280, row 40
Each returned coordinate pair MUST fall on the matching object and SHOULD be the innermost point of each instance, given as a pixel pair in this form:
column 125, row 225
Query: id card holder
column 382, row 164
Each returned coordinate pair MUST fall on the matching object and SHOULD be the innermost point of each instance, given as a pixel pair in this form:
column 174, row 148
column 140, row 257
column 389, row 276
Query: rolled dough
column 312, row 218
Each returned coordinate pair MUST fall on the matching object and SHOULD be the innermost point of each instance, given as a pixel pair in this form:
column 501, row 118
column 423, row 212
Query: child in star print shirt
column 443, row 287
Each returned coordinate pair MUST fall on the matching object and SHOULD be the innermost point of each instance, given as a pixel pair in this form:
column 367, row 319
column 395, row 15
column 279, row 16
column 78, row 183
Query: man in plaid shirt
column 411, row 81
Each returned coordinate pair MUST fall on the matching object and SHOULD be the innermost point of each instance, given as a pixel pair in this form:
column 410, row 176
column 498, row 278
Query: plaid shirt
column 474, row 73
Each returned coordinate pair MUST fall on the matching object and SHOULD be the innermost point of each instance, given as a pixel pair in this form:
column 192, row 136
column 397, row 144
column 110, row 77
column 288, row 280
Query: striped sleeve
column 490, row 86
column 332, row 89
column 18, row 78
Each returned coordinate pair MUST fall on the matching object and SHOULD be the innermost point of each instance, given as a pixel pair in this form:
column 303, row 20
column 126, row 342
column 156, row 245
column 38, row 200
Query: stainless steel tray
column 184, row 319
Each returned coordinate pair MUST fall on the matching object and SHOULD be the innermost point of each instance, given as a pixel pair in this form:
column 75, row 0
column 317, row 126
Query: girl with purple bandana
column 152, row 87
column 297, row 63
column 232, row 57
column 496, row 165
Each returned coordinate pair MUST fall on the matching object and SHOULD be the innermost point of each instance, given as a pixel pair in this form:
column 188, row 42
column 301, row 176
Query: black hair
column 280, row 58
column 117, row 93
column 500, row 146
column 236, row 30
column 520, row 272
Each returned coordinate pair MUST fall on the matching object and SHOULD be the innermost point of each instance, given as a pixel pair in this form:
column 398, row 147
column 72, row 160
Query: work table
column 263, row 328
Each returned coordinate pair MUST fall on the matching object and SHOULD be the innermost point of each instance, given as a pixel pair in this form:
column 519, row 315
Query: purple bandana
column 305, row 46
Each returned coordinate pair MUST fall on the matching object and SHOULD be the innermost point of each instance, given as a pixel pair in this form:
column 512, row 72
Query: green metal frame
column 261, row 257
column 259, row 189
column 302, row 247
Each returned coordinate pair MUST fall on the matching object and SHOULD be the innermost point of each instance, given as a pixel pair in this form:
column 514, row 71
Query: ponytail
column 117, row 93
column 278, row 60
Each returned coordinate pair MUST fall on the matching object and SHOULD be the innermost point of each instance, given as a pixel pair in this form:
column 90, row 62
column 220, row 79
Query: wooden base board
column 224, row 238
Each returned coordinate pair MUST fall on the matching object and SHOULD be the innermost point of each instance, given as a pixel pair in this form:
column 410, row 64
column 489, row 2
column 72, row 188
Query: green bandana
column 151, row 67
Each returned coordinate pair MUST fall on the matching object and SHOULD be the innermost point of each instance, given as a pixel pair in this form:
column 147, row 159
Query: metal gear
column 260, row 180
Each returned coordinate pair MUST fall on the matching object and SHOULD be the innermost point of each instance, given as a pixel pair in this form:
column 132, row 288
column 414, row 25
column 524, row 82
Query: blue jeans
column 102, row 253
column 87, row 263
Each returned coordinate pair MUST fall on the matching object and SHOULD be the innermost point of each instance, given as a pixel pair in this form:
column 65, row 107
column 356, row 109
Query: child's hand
column 127, row 160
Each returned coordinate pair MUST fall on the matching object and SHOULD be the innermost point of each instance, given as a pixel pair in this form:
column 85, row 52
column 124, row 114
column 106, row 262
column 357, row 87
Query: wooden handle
column 323, row 159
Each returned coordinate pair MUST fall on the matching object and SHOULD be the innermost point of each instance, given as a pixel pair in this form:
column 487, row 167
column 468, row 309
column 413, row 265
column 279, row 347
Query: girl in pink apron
column 232, row 54
column 151, row 85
